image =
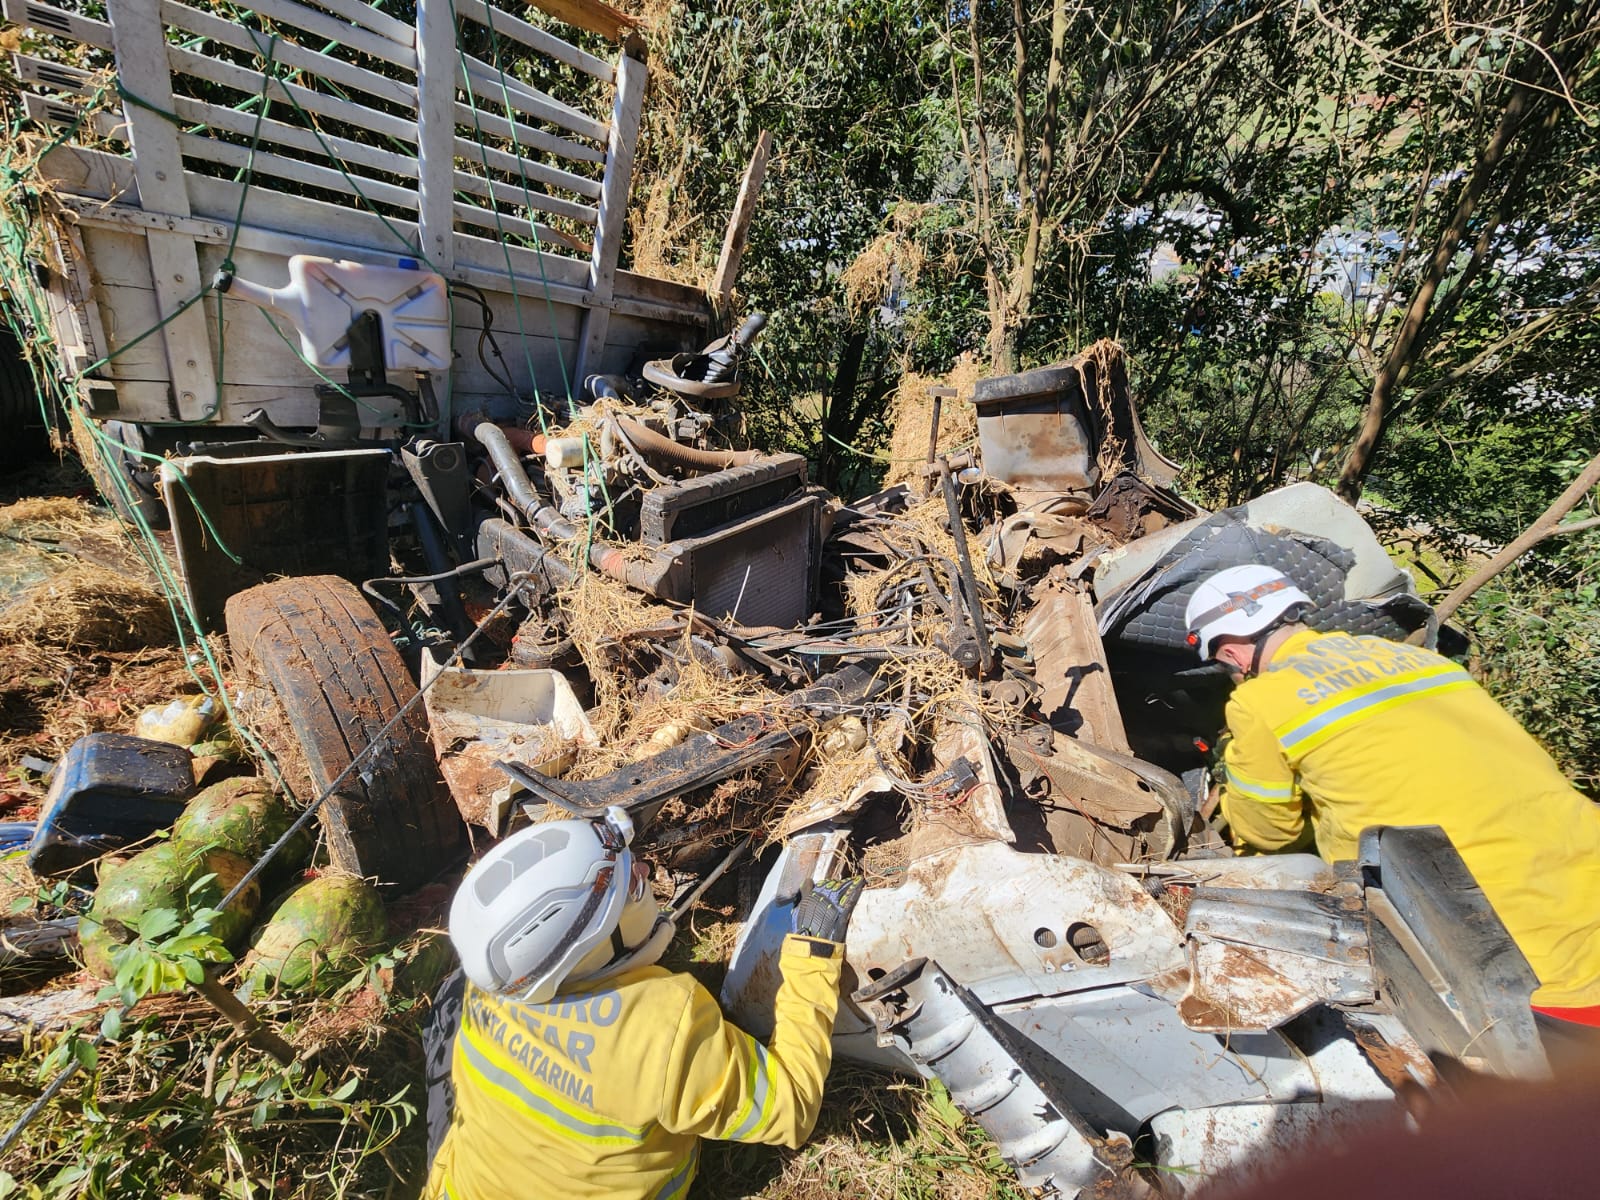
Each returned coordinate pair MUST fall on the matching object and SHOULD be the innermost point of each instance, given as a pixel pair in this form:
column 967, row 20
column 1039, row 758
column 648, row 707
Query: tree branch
column 1548, row 525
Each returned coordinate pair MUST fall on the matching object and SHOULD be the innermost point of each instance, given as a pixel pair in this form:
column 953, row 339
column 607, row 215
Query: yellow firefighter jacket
column 1359, row 731
column 608, row 1091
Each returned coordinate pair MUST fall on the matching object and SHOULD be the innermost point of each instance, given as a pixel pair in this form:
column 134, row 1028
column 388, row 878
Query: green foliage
column 167, row 1112
column 1538, row 631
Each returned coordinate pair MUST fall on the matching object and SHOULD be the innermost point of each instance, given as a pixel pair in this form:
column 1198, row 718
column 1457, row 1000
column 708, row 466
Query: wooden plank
column 334, row 230
column 436, row 126
column 533, row 271
column 483, row 69
column 286, row 53
column 486, row 83
column 516, row 195
column 537, row 172
column 359, row 12
column 330, row 178
column 525, row 137
column 318, row 24
column 633, row 286
column 592, row 15
column 632, row 77
column 198, row 66
column 46, row 18
column 63, row 114
column 71, row 287
column 56, row 76
column 488, row 218
column 140, row 47
column 215, row 116
column 75, row 171
column 94, row 214
column 355, row 228
column 733, row 243
column 507, row 25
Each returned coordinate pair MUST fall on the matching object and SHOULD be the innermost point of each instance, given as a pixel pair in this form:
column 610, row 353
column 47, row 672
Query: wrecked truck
column 295, row 348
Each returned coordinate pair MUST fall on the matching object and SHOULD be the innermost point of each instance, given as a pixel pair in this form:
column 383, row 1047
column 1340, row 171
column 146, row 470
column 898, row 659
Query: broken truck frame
column 1120, row 1000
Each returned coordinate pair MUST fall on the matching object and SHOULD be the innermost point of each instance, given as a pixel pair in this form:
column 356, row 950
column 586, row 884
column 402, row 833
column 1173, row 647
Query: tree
column 1534, row 76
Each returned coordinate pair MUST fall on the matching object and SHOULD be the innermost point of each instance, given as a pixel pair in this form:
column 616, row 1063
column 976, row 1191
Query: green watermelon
column 320, row 933
column 244, row 816
column 160, row 877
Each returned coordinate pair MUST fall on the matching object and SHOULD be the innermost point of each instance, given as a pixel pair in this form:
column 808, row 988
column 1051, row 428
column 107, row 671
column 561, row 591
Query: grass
column 879, row 1136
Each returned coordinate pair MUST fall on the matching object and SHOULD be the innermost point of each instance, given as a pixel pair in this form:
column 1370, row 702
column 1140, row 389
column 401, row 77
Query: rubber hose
column 515, row 480
column 663, row 451
column 523, row 441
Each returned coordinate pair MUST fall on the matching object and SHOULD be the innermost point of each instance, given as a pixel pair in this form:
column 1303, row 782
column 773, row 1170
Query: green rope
column 516, row 297
column 527, row 197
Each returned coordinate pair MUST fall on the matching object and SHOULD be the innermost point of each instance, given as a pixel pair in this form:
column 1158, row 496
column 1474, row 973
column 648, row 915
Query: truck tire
column 320, row 678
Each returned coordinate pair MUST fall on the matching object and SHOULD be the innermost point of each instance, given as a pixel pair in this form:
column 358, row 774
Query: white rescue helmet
column 539, row 902
column 1240, row 602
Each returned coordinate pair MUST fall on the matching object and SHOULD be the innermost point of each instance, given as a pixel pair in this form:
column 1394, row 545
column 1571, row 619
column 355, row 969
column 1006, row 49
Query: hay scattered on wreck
column 604, row 618
column 911, row 416
column 57, row 513
column 894, row 257
column 88, row 607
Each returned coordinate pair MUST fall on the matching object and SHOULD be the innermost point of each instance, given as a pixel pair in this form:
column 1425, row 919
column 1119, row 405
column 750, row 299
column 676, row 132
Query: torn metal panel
column 1069, row 663
column 1100, row 805
column 1122, row 1055
column 1343, row 1093
column 987, row 1066
column 1024, row 917
column 1128, row 508
column 478, row 718
column 1058, row 428
column 1447, row 965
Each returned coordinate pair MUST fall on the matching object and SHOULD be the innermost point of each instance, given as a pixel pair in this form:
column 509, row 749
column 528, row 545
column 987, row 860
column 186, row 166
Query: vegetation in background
column 1343, row 242
column 1340, row 241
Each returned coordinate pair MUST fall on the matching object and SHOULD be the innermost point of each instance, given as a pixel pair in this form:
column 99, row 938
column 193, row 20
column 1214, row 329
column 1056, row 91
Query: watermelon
column 160, row 877
column 321, row 933
column 244, row 816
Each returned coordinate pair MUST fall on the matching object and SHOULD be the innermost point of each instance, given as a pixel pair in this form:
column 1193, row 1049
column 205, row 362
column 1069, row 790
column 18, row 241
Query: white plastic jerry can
column 323, row 297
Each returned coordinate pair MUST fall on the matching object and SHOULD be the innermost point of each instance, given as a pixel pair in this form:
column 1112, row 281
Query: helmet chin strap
column 1257, row 653
column 646, row 953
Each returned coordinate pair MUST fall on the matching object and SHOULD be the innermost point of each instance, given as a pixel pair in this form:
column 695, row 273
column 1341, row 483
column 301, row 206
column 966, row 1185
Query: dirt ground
column 86, row 640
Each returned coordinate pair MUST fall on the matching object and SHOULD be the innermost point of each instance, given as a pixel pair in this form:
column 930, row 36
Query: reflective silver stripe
column 1249, row 787
column 509, row 1082
column 678, row 1185
column 760, row 1085
column 1355, row 705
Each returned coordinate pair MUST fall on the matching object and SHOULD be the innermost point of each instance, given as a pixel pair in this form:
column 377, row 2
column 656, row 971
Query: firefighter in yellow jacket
column 581, row 1069
column 1332, row 734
